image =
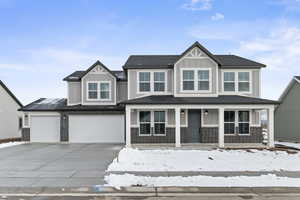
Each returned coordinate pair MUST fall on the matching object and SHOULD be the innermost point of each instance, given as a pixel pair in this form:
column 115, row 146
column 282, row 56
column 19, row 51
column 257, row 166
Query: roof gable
column 11, row 94
column 193, row 50
column 295, row 80
column 98, row 67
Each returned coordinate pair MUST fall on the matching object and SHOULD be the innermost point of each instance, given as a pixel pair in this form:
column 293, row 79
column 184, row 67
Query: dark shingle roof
column 11, row 94
column 60, row 104
column 77, row 75
column 168, row 61
column 298, row 78
column 222, row 99
column 44, row 104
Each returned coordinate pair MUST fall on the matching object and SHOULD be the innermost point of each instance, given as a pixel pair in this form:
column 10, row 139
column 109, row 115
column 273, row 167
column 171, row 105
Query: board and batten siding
column 133, row 82
column 74, row 93
column 198, row 63
column 287, row 116
column 9, row 117
column 121, row 91
column 255, row 84
column 98, row 77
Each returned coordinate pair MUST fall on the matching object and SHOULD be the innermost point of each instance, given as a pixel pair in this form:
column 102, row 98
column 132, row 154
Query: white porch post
column 221, row 127
column 128, row 127
column 177, row 127
column 271, row 127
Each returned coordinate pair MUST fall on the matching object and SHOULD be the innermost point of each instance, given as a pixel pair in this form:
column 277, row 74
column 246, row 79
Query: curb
column 142, row 191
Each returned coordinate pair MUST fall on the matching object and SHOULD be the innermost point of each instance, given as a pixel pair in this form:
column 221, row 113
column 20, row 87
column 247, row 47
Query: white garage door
column 96, row 128
column 45, row 129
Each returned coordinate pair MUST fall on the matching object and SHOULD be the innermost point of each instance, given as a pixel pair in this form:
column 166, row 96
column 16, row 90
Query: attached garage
column 45, row 128
column 104, row 128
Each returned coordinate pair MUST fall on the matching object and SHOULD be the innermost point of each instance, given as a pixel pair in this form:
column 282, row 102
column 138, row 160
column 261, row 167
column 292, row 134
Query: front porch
column 192, row 126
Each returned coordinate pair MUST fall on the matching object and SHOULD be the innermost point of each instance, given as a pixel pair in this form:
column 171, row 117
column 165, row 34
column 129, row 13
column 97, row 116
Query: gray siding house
column 194, row 97
column 10, row 117
column 287, row 120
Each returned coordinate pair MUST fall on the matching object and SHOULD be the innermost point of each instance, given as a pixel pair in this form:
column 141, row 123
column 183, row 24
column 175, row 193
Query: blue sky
column 43, row 41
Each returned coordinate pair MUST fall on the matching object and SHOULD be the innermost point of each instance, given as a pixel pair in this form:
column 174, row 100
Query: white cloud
column 288, row 4
column 217, row 16
column 196, row 5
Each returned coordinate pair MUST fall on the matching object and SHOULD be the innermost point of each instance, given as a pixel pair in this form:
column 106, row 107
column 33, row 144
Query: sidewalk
column 290, row 174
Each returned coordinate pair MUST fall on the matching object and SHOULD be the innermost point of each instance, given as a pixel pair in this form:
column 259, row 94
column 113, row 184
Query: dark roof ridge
column 11, row 94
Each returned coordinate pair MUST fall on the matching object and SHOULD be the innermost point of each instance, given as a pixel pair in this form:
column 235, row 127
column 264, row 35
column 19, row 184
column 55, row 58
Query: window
column 104, row 91
column 188, row 79
column 229, row 81
column 244, row 81
column 243, row 122
column 92, row 91
column 145, row 123
column 229, row 122
column 99, row 90
column 236, row 82
column 144, row 84
column 159, row 81
column 159, row 123
column 203, row 80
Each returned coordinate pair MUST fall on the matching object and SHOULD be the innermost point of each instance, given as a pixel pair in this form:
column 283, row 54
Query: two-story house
column 195, row 97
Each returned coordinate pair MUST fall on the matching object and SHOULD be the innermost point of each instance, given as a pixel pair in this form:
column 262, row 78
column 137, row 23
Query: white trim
column 23, row 118
column 236, row 82
column 152, row 92
column 99, row 91
column 152, row 122
column 221, row 128
column 271, row 127
column 196, row 80
column 128, row 126
column 177, row 127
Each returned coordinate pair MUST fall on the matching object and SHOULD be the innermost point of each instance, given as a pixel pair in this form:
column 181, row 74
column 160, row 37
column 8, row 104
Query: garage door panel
column 45, row 129
column 96, row 128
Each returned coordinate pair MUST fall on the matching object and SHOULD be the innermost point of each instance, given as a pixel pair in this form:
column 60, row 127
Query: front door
column 194, row 125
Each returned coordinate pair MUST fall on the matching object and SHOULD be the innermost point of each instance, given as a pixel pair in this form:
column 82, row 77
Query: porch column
column 221, row 127
column 177, row 127
column 128, row 126
column 271, row 127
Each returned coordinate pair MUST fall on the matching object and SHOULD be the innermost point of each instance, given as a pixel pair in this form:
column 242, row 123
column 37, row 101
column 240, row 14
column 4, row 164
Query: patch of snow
column 130, row 159
column 49, row 101
column 10, row 144
column 270, row 180
column 289, row 144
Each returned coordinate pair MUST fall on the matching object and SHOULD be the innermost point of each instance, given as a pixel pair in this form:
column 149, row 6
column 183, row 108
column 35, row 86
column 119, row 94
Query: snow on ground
column 10, row 144
column 289, row 144
column 130, row 159
column 270, row 180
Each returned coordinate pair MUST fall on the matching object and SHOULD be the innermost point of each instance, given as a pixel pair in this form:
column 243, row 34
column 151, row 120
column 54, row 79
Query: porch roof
column 221, row 99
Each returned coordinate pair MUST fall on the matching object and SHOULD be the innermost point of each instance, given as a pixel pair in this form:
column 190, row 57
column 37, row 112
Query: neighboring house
column 287, row 120
column 10, row 117
column 194, row 97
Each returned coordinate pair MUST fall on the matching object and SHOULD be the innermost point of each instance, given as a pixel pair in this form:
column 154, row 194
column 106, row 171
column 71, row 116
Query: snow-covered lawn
column 10, row 144
column 130, row 159
column 290, row 144
column 270, row 180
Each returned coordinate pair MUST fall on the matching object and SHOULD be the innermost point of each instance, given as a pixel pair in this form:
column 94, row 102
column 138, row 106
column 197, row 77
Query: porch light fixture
column 182, row 112
column 206, row 112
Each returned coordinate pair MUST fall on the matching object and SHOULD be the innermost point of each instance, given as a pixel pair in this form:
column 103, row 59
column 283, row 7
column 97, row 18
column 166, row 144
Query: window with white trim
column 159, row 81
column 93, row 90
column 99, row 90
column 244, row 81
column 229, row 122
column 196, row 80
column 229, row 81
column 236, row 82
column 244, row 122
column 104, row 91
column 144, row 81
column 152, row 81
column 145, row 122
column 188, row 79
column 152, row 123
column 26, row 120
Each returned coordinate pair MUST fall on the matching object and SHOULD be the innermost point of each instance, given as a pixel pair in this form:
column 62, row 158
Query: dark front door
column 194, row 125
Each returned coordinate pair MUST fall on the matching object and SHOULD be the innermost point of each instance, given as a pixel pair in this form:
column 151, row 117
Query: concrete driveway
column 59, row 165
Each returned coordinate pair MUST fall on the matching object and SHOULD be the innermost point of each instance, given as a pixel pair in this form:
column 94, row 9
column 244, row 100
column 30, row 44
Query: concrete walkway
column 55, row 165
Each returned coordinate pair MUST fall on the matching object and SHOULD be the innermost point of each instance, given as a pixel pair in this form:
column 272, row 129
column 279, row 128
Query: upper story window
column 152, row 81
column 98, row 90
column 196, row 80
column 236, row 82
